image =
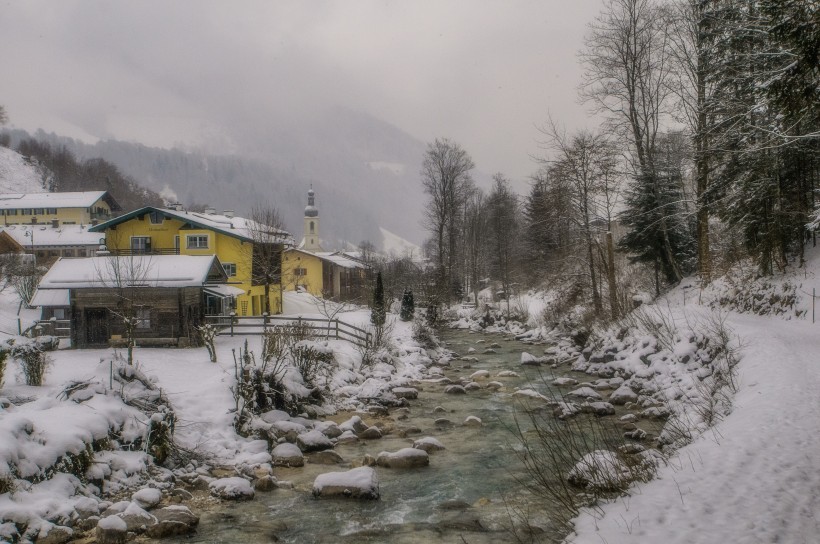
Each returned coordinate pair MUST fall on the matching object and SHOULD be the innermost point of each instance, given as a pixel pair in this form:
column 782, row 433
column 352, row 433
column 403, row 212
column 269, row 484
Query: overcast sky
column 483, row 73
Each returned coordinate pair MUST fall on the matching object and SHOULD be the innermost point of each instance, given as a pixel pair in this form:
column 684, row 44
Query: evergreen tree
column 378, row 313
column 408, row 306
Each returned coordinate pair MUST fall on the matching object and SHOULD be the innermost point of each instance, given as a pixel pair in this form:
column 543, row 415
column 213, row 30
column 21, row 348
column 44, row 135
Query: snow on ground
column 756, row 476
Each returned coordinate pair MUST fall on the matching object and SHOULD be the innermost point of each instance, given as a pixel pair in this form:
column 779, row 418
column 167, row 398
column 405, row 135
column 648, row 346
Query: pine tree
column 408, row 306
column 378, row 314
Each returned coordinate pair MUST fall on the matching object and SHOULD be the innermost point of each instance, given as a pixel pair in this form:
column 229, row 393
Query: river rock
column 313, row 441
column 264, row 484
column 565, row 382
column 354, row 424
column 472, row 386
column 507, row 374
column 371, row 433
column 327, row 457
column 528, row 359
column 628, row 418
column 347, row 437
column 636, row 434
column 455, row 390
column 453, row 504
column 147, row 498
column 622, row 395
column 137, row 519
column 404, row 458
column 480, row 375
column 598, row 408
column 234, row 489
column 112, row 530
column 406, row 392
column 495, row 386
column 463, row 521
column 54, row 534
column 357, row 483
column 472, row 421
column 407, row 431
column 288, row 455
column 584, row 393
column 172, row 521
column 428, row 444
column 530, row 394
column 329, row 429
column 442, row 422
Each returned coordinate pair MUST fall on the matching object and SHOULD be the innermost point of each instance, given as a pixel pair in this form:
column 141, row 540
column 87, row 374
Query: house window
column 300, row 272
column 68, row 253
column 51, row 211
column 25, row 211
column 197, row 241
column 39, row 211
column 59, row 313
column 143, row 318
column 230, row 269
column 156, row 218
column 244, row 305
column 140, row 244
column 11, row 212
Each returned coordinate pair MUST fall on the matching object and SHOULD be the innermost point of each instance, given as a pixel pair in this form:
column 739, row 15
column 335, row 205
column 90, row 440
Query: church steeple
column 311, row 239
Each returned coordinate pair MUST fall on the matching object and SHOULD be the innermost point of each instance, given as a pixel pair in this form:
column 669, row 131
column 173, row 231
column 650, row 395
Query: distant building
column 46, row 243
column 330, row 275
column 245, row 248
column 71, row 208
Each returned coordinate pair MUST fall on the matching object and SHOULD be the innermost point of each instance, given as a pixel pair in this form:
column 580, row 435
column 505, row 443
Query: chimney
column 228, row 213
column 55, row 223
column 210, row 210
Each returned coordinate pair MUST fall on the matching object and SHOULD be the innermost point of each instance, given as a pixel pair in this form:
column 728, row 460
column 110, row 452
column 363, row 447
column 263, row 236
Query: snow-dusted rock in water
column 371, row 433
column 507, row 374
column 173, row 520
column 329, row 429
column 53, row 534
column 494, row 386
column 622, row 395
column 235, row 488
column 406, row 392
column 563, row 410
column 528, row 359
column 404, row 458
column 288, row 455
column 564, row 382
column 147, row 497
column 584, row 393
column 600, row 470
column 327, row 457
column 354, row 424
column 313, row 441
column 480, row 375
column 530, row 394
column 357, row 483
column 347, row 437
column 472, row 386
column 428, row 444
column 455, row 390
column 472, row 421
column 112, row 530
column 598, row 408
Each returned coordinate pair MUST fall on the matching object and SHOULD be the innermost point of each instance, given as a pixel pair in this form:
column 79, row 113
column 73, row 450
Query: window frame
column 142, row 318
column 146, row 246
column 189, row 238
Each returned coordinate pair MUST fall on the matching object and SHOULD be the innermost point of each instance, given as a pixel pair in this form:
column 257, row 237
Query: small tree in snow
column 408, row 306
column 378, row 313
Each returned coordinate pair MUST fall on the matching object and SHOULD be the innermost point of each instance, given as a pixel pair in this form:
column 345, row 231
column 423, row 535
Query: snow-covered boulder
column 371, row 433
column 147, row 497
column 622, row 395
column 428, row 444
column 406, row 392
column 560, row 382
column 404, row 458
column 354, row 424
column 494, row 386
column 528, row 359
column 472, row 421
column 530, row 394
column 598, row 408
column 235, row 488
column 507, row 374
column 358, row 483
column 173, row 520
column 455, row 390
column 313, row 441
column 112, row 530
column 480, row 375
column 472, row 386
column 288, row 455
column 585, row 393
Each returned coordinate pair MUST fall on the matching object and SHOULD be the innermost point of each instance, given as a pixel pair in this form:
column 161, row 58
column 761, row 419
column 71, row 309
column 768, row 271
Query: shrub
column 424, row 336
column 408, row 306
column 4, row 353
column 207, row 334
column 311, row 359
column 33, row 362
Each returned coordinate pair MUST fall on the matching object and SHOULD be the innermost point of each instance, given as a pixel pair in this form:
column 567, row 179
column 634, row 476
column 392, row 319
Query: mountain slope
column 17, row 175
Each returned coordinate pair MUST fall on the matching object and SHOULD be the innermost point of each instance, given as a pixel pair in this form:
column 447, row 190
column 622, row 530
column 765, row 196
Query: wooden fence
column 318, row 326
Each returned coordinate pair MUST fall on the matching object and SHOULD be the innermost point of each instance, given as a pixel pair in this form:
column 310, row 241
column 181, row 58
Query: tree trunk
column 613, row 290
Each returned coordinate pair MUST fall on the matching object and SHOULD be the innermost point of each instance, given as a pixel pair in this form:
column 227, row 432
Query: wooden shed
column 164, row 297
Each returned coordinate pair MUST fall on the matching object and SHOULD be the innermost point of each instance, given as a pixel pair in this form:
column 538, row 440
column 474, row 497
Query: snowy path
column 756, row 478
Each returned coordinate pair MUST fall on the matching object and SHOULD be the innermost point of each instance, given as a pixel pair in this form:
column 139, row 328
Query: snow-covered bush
column 423, row 334
column 311, row 359
column 34, row 362
column 4, row 353
column 207, row 335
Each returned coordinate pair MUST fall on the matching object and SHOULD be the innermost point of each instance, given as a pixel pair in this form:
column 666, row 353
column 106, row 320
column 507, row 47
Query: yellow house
column 324, row 274
column 250, row 253
column 74, row 208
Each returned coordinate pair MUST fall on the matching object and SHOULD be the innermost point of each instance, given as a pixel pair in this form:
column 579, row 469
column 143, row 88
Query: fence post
column 233, row 317
column 337, row 329
column 19, row 327
column 264, row 322
column 813, row 295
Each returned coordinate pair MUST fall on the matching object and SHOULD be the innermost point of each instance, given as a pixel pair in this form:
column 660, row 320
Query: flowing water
column 465, row 495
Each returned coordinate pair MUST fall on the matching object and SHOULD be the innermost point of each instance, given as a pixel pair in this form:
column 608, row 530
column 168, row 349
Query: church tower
column 311, row 239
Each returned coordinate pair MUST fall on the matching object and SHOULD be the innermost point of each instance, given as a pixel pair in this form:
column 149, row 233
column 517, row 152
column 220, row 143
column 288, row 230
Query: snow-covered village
column 410, row 272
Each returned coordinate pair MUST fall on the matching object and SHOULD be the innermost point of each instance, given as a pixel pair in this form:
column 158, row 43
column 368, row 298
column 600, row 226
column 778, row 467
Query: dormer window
column 156, row 218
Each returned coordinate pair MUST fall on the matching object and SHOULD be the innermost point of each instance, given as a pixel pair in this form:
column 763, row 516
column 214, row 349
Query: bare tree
column 265, row 229
column 475, row 236
column 503, row 224
column 445, row 175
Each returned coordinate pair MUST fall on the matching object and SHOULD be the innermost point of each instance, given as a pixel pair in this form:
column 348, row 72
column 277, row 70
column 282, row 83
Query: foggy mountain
column 364, row 172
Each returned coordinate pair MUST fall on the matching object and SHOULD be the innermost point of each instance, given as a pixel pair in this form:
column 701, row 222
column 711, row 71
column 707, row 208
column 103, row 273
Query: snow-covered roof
column 133, row 271
column 80, row 199
column 238, row 227
column 50, row 297
column 48, row 236
column 339, row 259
